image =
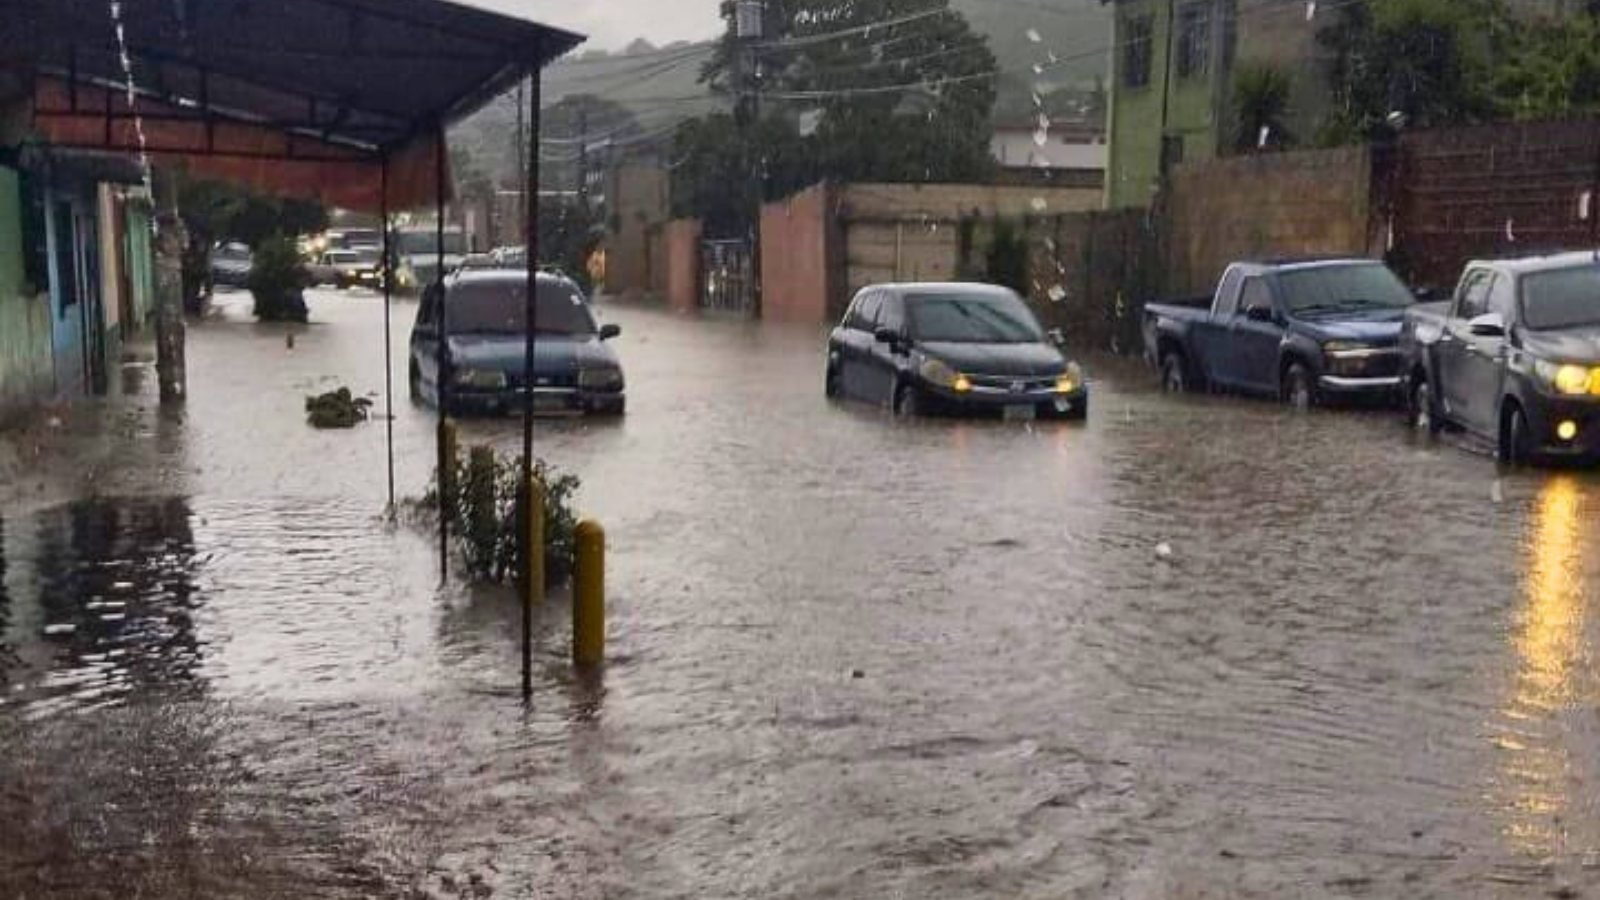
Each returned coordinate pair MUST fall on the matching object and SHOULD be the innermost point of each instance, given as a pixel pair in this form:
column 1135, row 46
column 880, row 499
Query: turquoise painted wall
column 141, row 265
column 26, row 375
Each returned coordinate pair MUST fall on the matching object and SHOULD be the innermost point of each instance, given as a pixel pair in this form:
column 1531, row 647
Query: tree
column 1424, row 63
column 1553, row 70
column 1261, row 108
column 898, row 90
column 217, row 212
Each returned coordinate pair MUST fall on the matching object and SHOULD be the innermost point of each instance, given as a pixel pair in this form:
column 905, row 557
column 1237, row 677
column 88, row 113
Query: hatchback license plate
column 1019, row 413
column 549, row 403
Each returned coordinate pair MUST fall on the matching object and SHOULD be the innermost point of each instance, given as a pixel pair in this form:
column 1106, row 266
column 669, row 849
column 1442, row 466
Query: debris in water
column 336, row 409
column 1040, row 204
column 1033, row 35
column 857, row 673
column 1163, row 551
column 64, row 628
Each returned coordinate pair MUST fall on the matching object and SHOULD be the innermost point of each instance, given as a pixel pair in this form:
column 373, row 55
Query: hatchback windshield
column 500, row 307
column 343, row 257
column 1564, row 298
column 1336, row 289
column 972, row 319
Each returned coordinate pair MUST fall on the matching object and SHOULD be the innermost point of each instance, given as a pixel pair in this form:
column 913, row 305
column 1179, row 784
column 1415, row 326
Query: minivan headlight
column 479, row 378
column 600, row 379
column 1070, row 381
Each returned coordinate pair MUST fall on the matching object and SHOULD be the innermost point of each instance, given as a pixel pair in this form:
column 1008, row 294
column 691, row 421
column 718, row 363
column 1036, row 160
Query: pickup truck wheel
column 1516, row 445
column 1298, row 390
column 1420, row 404
column 1173, row 379
column 414, row 380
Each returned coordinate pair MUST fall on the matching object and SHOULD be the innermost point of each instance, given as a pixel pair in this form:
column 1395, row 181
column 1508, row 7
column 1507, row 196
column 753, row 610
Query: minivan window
column 1562, row 298
column 971, row 319
column 500, row 307
column 865, row 312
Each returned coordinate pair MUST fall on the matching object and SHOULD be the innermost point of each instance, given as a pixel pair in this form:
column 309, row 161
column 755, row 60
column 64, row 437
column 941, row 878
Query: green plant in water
column 278, row 279
column 486, row 515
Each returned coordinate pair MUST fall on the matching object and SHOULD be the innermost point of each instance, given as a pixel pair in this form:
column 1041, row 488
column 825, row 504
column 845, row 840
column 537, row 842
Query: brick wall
column 681, row 248
column 794, row 263
column 1496, row 190
column 1310, row 203
column 951, row 202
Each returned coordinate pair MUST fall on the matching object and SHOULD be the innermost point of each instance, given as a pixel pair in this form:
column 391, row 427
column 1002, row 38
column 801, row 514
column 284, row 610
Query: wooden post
column 171, row 239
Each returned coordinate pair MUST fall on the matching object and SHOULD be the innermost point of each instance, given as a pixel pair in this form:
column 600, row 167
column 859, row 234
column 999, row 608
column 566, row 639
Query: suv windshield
column 972, row 319
column 1352, row 288
column 500, row 307
column 1563, row 298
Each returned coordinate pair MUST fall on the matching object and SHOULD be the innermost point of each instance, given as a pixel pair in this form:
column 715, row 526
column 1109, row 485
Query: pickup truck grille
column 1383, row 363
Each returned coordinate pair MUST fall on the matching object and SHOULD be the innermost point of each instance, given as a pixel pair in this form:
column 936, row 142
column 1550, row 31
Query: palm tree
column 1261, row 108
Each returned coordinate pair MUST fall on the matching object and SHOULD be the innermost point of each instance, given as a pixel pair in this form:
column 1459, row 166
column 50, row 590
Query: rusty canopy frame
column 344, row 101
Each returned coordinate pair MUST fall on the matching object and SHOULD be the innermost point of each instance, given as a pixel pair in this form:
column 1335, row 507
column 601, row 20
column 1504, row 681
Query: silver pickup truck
column 1513, row 357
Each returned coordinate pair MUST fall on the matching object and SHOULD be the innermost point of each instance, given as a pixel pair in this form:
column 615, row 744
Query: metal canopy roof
column 368, row 74
column 304, row 97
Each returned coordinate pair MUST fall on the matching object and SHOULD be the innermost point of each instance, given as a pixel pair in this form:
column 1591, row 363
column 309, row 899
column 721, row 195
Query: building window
column 1194, row 38
column 1136, row 51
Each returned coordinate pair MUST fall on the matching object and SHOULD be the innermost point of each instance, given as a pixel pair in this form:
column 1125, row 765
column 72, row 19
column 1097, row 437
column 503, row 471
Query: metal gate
column 727, row 283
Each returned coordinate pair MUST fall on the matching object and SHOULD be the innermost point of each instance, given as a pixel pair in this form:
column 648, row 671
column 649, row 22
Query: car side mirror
column 607, row 332
column 886, row 336
column 1488, row 325
column 1058, row 337
column 1258, row 313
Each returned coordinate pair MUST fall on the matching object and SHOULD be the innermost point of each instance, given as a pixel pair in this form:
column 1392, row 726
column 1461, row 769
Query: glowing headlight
column 1569, row 379
column 477, row 378
column 1071, row 380
column 600, row 379
column 940, row 373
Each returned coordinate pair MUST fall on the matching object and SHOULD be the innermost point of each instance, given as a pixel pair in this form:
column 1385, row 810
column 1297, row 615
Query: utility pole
column 750, row 29
column 583, row 154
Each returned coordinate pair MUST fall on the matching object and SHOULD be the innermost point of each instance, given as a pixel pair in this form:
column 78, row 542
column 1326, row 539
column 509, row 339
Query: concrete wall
column 681, row 244
column 795, row 271
column 1268, row 205
column 1016, row 146
column 26, row 367
column 639, row 201
column 1288, row 43
column 953, row 202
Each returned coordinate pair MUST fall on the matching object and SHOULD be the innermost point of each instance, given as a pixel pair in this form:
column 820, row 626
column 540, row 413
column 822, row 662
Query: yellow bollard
column 533, row 561
column 589, row 595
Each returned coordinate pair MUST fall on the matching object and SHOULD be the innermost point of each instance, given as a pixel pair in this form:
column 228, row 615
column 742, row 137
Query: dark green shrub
column 278, row 279
column 486, row 516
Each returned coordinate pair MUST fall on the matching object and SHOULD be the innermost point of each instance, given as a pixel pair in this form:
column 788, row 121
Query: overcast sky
column 613, row 24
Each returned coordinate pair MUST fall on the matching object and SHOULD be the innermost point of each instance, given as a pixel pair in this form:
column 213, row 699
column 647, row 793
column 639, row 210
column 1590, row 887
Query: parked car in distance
column 1302, row 331
column 360, row 267
column 1513, row 357
column 484, row 318
column 230, row 265
column 951, row 348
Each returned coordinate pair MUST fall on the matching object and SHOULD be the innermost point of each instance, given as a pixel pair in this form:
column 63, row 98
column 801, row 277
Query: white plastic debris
column 1163, row 551
column 1033, row 35
column 63, row 628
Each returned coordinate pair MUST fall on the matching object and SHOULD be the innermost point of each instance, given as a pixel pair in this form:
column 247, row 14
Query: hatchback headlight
column 1070, row 381
column 600, row 379
column 939, row 372
column 1568, row 379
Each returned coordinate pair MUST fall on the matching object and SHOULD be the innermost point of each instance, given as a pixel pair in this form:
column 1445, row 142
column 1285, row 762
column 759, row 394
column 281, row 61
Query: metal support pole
column 533, row 557
column 386, row 272
column 442, row 356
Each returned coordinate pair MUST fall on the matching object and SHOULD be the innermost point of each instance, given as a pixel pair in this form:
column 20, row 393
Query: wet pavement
column 850, row 656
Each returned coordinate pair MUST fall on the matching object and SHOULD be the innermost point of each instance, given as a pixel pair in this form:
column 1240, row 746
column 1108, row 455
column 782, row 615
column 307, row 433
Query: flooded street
column 849, row 656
